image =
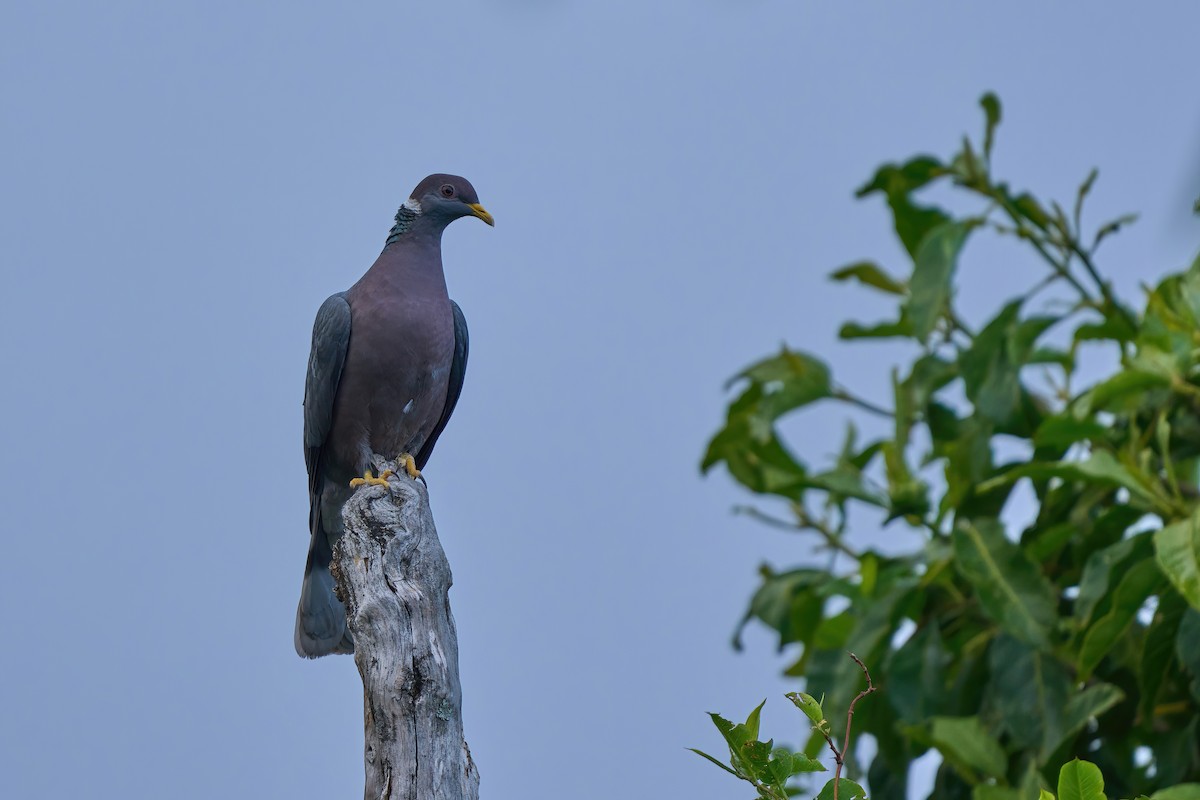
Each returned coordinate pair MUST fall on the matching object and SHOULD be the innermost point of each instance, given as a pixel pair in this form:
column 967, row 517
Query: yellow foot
column 369, row 479
column 410, row 465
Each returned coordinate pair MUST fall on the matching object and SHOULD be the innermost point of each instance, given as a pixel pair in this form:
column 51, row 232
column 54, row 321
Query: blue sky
column 185, row 182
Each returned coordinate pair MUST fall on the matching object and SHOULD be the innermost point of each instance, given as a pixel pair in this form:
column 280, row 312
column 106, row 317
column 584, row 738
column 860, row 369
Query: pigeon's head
column 445, row 198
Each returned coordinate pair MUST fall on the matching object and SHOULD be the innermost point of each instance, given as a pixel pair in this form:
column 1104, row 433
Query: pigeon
column 384, row 374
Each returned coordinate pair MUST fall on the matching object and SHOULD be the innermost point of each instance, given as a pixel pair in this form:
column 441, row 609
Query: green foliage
column 963, row 740
column 770, row 769
column 1010, row 651
column 766, row 767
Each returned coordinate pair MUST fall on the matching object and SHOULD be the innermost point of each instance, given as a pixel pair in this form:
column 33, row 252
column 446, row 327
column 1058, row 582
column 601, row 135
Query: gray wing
column 458, row 369
column 330, row 341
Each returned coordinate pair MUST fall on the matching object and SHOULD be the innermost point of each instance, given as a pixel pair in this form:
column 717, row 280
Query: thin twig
column 839, row 756
column 807, row 523
column 843, row 394
column 850, row 713
column 832, row 538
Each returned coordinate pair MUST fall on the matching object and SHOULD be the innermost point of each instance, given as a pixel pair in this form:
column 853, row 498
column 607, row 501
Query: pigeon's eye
column 447, row 190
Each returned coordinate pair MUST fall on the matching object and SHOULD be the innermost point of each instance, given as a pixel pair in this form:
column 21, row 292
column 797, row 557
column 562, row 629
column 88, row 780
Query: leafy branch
column 1008, row 649
column 770, row 774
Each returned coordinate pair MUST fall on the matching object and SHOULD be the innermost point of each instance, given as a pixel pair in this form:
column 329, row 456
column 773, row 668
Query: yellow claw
column 410, row 465
column 369, row 478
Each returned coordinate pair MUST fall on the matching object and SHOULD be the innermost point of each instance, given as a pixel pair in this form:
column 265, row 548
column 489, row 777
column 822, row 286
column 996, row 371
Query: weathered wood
column 394, row 578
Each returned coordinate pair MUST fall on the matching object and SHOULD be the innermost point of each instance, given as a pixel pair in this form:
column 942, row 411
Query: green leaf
column 1091, row 702
column 1177, row 547
column 1062, row 430
column 751, row 722
column 1158, row 649
column 1112, row 226
column 1114, row 328
column 1103, row 569
column 933, row 269
column 968, row 746
column 869, row 273
column 792, row 764
column 734, row 735
column 748, row 443
column 1080, row 780
column 713, row 760
column 1030, row 209
column 845, row 482
column 912, row 222
column 991, row 367
column 901, row 328
column 1120, row 391
column 916, row 676
column 846, row 790
column 756, row 758
column 1029, row 690
column 1187, row 648
column 1142, row 580
column 809, row 705
column 991, row 109
column 1100, row 469
column 789, row 602
column 1011, row 588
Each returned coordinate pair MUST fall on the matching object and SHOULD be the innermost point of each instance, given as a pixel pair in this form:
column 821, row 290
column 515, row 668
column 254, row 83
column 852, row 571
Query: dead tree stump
column 394, row 578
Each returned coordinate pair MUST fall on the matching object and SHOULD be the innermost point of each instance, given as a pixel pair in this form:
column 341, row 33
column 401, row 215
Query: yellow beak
column 481, row 212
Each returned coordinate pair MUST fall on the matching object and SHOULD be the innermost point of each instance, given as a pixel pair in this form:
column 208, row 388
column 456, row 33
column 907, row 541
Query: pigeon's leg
column 369, row 479
column 410, row 465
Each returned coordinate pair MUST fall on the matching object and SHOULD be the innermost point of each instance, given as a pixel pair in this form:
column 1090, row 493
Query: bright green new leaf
column 809, row 705
column 1080, row 780
column 1012, row 590
column 752, row 721
column 1177, row 547
column 933, row 269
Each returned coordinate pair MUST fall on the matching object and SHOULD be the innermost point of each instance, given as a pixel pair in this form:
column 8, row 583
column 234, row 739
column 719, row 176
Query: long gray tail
column 320, row 617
